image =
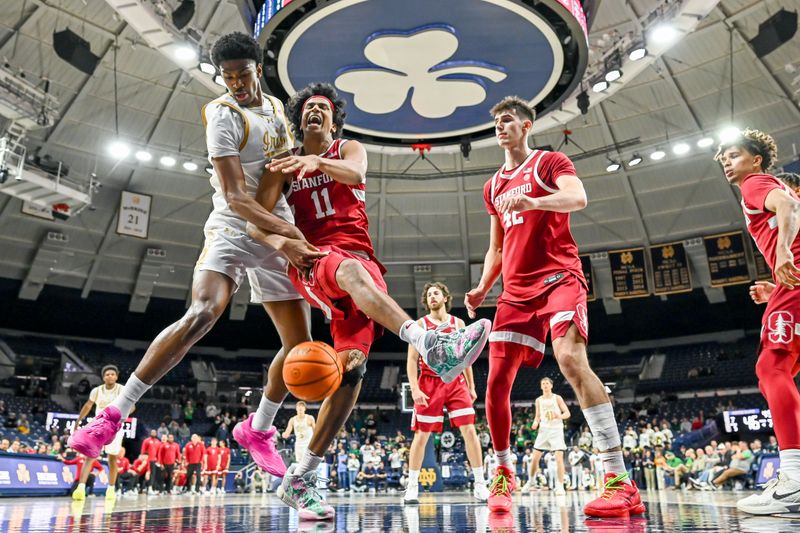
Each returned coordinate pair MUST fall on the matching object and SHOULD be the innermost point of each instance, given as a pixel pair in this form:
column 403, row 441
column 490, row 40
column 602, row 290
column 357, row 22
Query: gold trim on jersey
column 221, row 101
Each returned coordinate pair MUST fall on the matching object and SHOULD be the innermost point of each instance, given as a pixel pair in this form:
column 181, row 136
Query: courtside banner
column 22, row 474
column 586, row 266
column 763, row 271
column 670, row 268
column 62, row 421
column 628, row 273
column 134, row 214
column 727, row 263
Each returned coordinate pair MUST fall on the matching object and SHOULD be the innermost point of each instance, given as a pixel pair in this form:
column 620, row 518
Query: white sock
column 131, row 392
column 612, row 462
column 308, row 463
column 477, row 471
column 504, row 456
column 415, row 335
column 413, row 477
column 790, row 464
column 265, row 415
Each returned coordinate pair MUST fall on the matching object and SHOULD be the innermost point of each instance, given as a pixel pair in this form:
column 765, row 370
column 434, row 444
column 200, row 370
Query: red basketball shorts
column 454, row 396
column 780, row 329
column 520, row 328
column 350, row 328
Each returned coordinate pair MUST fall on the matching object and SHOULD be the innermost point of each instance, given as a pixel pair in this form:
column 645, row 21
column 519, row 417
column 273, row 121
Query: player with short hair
column 325, row 181
column 529, row 200
column 101, row 397
column 244, row 129
column 551, row 412
column 211, row 461
column 302, row 425
column 772, row 213
column 431, row 397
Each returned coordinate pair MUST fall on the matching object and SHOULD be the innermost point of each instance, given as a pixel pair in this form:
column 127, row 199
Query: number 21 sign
column 134, row 214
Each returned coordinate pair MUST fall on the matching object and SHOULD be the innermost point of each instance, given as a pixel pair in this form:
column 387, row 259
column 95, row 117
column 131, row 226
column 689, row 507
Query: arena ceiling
column 432, row 225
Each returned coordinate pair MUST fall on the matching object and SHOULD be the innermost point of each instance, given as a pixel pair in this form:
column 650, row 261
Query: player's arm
column 85, row 410
column 289, row 429
column 294, row 246
column 492, row 265
column 351, row 169
column 536, row 418
column 787, row 209
column 562, row 405
column 313, row 422
column 571, row 196
column 412, row 369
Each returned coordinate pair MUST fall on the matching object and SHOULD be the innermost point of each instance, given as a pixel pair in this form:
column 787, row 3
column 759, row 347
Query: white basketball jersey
column 102, row 397
column 550, row 405
column 257, row 135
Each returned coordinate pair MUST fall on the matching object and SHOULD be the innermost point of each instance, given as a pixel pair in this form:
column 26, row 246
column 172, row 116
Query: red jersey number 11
column 324, row 208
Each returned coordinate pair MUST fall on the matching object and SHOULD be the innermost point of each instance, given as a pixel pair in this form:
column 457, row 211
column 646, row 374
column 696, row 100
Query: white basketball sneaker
column 412, row 494
column 481, row 492
column 781, row 495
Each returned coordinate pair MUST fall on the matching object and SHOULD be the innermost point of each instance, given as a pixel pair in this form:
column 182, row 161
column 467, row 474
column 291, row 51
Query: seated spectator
column 739, row 466
column 260, row 481
column 11, row 421
column 141, row 469
column 16, row 447
column 162, row 430
column 126, row 478
column 3, row 409
column 184, row 432
column 682, row 470
column 380, row 475
column 23, row 426
column 5, row 444
column 238, row 484
column 211, row 410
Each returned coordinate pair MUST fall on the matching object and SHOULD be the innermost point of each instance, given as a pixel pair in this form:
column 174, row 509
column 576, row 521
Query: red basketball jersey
column 762, row 224
column 450, row 327
column 329, row 212
column 538, row 247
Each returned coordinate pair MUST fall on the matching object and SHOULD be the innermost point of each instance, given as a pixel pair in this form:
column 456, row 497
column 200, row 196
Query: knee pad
column 353, row 376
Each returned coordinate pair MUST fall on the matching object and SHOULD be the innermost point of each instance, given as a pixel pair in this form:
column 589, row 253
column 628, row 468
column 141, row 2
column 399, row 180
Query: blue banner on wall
column 22, row 474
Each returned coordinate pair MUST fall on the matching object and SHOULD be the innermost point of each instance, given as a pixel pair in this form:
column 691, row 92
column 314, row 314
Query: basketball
column 312, row 371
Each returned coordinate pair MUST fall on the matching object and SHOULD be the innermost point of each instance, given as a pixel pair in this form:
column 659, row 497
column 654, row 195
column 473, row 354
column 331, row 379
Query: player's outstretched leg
column 256, row 433
column 448, row 354
column 299, row 486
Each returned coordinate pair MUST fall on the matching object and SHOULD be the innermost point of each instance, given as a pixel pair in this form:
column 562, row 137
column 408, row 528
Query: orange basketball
column 312, row 371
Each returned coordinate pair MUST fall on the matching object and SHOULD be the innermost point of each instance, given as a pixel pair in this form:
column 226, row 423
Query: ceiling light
column 167, row 161
column 663, row 33
column 635, row 160
column 658, row 155
column 729, row 134
column 219, row 81
column 600, row 86
column 143, row 156
column 613, row 75
column 118, row 150
column 210, row 169
column 185, row 53
column 637, row 52
column 613, row 166
column 191, row 166
column 705, row 142
column 207, row 67
column 680, row 149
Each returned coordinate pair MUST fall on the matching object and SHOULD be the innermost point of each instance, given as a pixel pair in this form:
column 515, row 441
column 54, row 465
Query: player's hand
column 519, row 203
column 760, row 291
column 473, row 299
column 535, row 425
column 301, row 254
column 473, row 394
column 786, row 273
column 297, row 164
column 419, row 397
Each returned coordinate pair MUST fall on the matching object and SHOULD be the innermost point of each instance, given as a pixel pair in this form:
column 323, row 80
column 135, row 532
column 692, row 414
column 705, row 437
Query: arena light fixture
column 118, row 150
column 663, row 33
column 185, row 53
column 705, row 142
column 219, row 81
column 210, row 169
column 167, row 161
column 144, row 156
column 613, row 75
column 728, row 134
column 635, row 160
column 600, row 85
column 207, row 67
column 681, row 149
column 658, row 155
column 191, row 166
column 613, row 166
column 637, row 50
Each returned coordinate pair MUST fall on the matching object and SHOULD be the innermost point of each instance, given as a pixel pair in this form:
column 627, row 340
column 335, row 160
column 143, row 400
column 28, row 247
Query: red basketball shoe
column 618, row 498
column 501, row 489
